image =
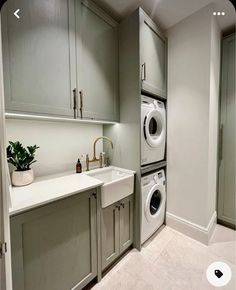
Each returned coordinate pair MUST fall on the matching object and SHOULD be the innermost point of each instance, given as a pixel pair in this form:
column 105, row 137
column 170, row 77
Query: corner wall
column 193, row 90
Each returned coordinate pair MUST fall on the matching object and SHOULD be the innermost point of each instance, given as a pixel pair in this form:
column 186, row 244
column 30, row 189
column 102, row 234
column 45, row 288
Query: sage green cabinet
column 153, row 57
column 60, row 58
column 38, row 57
column 110, row 234
column 126, row 223
column 117, row 230
column 55, row 247
column 97, row 62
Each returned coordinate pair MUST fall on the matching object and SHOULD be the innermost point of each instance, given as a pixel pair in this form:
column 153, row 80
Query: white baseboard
column 190, row 229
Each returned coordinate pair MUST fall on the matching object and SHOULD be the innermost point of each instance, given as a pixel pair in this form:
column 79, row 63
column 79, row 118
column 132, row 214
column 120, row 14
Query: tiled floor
column 172, row 261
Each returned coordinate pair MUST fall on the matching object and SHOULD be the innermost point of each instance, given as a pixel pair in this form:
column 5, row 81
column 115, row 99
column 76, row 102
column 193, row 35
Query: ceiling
column 167, row 13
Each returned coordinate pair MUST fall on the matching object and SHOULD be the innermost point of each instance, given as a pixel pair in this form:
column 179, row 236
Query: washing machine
column 153, row 130
column 153, row 203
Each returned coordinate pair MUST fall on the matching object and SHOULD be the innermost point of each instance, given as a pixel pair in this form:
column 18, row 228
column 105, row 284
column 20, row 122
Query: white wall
column 213, row 115
column 193, row 82
column 60, row 143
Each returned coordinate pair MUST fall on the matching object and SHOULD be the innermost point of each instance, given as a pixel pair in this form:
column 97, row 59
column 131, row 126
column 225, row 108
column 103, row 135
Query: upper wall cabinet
column 37, row 56
column 60, row 58
column 97, row 62
column 153, row 57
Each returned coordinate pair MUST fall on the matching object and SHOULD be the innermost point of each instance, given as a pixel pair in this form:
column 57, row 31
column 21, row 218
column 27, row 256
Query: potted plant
column 22, row 158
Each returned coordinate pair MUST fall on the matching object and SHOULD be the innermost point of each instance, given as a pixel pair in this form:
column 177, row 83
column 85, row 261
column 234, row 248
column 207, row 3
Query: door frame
column 223, row 96
column 5, row 261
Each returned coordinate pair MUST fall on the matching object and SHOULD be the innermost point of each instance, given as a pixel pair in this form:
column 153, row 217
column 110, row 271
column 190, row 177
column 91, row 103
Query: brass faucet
column 94, row 159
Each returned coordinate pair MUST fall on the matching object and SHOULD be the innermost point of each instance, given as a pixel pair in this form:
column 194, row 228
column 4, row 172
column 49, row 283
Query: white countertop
column 49, row 189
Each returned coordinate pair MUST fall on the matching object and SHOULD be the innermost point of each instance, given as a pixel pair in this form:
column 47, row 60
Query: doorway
column 227, row 191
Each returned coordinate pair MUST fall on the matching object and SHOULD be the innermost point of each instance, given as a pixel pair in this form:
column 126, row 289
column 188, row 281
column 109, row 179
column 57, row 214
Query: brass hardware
column 94, row 159
column 87, row 162
column 95, row 142
column 3, row 249
column 144, row 71
column 100, row 160
column 81, row 104
column 118, row 206
column 75, row 103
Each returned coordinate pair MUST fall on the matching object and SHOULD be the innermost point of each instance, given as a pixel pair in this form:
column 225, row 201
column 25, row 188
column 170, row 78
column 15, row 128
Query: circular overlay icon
column 218, row 274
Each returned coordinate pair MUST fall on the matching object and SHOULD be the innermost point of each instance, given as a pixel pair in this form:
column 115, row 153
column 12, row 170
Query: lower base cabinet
column 54, row 247
column 117, row 230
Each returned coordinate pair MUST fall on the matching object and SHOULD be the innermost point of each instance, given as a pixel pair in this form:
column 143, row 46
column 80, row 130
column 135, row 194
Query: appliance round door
column 155, row 202
column 154, row 128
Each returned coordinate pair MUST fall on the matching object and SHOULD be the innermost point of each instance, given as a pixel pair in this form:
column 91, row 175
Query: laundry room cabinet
column 142, row 62
column 97, row 63
column 38, row 57
column 153, row 54
column 117, row 230
column 54, row 247
column 60, row 59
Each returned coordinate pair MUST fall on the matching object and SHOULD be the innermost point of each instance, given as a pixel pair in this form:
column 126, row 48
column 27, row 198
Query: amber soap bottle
column 78, row 166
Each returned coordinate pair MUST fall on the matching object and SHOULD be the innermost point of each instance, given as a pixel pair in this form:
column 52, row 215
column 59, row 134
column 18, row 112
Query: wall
column 60, row 143
column 213, row 115
column 193, row 88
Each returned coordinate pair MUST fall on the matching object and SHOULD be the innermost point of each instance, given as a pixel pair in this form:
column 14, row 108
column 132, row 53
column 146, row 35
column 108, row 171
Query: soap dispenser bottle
column 78, row 166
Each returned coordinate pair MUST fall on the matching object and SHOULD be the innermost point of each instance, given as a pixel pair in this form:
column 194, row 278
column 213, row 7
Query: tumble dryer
column 153, row 130
column 153, row 203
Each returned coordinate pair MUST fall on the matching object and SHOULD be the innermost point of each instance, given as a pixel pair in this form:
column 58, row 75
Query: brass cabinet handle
column 74, row 103
column 144, row 71
column 81, row 104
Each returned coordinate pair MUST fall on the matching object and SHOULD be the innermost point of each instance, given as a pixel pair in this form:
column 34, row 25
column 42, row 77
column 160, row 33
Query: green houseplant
column 22, row 158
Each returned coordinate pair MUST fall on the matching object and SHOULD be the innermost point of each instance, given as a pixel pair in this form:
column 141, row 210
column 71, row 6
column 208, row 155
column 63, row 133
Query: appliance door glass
column 154, row 128
column 155, row 202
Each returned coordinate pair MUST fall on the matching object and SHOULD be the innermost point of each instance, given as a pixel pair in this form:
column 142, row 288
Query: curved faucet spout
column 95, row 142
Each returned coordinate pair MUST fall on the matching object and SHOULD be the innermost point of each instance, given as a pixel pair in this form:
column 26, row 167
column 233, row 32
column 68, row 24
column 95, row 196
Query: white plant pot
column 22, row 178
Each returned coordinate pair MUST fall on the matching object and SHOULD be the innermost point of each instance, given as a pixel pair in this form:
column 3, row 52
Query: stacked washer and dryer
column 153, row 146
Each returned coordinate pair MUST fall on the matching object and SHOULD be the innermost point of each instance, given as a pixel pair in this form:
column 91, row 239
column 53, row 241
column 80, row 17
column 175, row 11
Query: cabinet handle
column 94, row 195
column 81, row 103
column 144, row 71
column 75, row 103
column 122, row 204
column 117, row 206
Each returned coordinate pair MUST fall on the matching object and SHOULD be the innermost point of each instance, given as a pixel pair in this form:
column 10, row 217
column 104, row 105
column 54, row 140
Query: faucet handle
column 100, row 160
column 87, row 162
column 107, row 161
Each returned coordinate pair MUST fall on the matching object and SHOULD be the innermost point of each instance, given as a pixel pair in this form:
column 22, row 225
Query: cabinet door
column 110, row 234
column 126, row 223
column 54, row 247
column 153, row 57
column 97, row 62
column 39, row 56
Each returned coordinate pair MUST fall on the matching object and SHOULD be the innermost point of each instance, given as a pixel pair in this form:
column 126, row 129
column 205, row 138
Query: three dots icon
column 219, row 13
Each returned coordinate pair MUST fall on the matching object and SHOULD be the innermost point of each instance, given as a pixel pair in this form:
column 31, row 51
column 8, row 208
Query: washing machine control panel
column 159, row 177
column 155, row 178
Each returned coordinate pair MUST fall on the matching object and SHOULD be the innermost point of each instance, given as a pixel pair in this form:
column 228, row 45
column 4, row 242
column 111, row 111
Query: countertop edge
column 13, row 212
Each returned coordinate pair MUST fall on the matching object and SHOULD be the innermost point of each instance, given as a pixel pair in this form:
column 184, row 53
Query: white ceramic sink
column 118, row 183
